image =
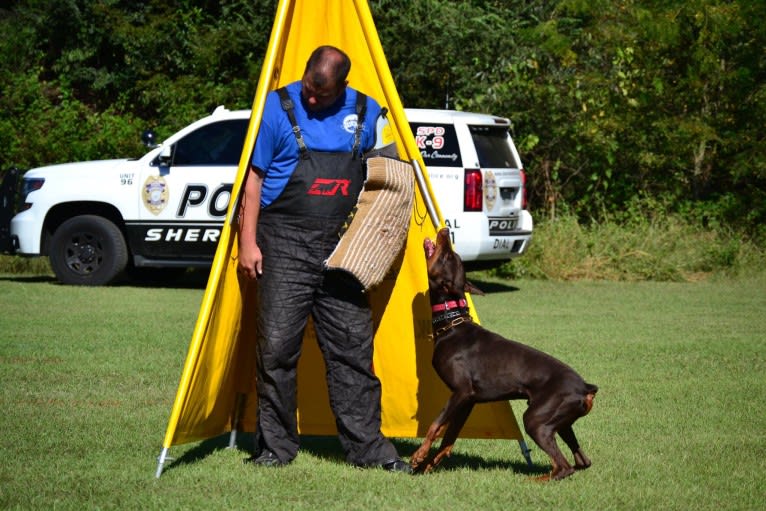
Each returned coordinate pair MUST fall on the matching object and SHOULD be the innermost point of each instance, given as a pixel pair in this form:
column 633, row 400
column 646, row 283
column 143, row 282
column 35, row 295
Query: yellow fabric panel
column 220, row 363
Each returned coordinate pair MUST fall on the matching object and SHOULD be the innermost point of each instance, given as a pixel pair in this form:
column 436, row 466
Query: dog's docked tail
column 590, row 390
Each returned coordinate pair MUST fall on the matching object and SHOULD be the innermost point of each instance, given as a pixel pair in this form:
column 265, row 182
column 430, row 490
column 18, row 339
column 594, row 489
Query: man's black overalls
column 296, row 234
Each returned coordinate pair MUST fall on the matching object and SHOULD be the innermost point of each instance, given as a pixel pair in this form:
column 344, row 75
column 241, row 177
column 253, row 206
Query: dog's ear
column 449, row 287
column 470, row 288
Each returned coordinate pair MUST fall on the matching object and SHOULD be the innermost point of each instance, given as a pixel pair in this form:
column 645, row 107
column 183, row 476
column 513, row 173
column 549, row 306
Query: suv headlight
column 29, row 185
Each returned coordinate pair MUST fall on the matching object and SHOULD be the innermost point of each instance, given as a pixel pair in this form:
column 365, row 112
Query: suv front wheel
column 88, row 250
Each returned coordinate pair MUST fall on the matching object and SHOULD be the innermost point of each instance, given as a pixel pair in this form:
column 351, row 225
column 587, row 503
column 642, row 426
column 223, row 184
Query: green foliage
column 642, row 242
column 15, row 265
column 613, row 100
column 439, row 50
column 81, row 80
column 609, row 100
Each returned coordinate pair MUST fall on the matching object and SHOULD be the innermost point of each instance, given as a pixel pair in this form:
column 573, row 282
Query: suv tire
column 88, row 250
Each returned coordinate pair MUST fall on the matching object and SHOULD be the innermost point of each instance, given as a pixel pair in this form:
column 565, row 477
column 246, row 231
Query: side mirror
column 165, row 159
column 149, row 139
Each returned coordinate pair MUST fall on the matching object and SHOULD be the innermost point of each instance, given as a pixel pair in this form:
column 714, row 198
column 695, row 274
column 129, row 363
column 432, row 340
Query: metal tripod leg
column 161, row 459
column 526, row 452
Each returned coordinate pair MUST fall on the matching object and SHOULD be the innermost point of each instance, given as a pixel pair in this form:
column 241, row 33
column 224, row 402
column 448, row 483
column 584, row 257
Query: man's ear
column 470, row 288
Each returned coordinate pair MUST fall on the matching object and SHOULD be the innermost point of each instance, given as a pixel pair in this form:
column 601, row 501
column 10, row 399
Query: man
column 305, row 177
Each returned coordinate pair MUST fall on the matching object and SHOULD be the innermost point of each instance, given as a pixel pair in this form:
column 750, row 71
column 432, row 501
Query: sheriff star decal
column 490, row 189
column 155, row 194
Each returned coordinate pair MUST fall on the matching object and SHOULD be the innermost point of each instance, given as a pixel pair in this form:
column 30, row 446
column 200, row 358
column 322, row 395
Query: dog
column 480, row 366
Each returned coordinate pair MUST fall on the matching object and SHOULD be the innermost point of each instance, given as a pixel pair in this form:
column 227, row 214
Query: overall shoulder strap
column 289, row 107
column 361, row 112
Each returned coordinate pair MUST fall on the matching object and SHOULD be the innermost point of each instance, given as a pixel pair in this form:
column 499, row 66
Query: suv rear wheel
column 88, row 250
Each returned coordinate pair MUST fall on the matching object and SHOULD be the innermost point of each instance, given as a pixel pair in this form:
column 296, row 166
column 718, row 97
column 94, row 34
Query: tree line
column 615, row 105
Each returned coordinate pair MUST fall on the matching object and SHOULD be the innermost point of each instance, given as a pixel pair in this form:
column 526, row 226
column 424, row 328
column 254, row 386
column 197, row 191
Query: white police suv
column 96, row 219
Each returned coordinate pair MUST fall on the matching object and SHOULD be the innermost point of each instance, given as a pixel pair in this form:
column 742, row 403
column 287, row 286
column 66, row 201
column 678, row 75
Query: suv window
column 492, row 147
column 438, row 144
column 218, row 143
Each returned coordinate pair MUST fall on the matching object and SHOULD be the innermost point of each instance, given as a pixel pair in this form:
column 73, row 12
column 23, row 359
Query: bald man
column 305, row 177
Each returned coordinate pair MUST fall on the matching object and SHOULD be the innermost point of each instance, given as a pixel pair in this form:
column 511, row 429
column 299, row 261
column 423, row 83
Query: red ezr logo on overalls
column 324, row 186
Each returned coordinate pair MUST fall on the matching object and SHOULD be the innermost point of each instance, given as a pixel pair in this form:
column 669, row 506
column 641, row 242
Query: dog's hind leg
column 581, row 460
column 537, row 426
column 577, row 409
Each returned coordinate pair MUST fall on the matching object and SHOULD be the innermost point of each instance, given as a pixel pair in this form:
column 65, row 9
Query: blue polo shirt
column 276, row 151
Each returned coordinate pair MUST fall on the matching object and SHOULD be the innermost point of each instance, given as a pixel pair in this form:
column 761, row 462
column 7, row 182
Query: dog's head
column 446, row 275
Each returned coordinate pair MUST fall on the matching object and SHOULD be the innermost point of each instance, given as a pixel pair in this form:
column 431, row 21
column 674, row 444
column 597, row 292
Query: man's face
column 319, row 98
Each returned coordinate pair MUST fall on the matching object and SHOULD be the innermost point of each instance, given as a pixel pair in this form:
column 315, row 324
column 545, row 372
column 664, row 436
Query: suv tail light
column 473, row 195
column 524, row 201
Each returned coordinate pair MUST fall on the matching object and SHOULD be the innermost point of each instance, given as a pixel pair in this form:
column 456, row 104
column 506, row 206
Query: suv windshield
column 492, row 147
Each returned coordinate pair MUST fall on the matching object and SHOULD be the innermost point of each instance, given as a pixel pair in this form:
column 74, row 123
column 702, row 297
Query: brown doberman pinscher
column 480, row 366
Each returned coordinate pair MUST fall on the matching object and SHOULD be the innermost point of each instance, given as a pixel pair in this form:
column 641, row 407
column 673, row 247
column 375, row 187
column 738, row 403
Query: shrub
column 656, row 246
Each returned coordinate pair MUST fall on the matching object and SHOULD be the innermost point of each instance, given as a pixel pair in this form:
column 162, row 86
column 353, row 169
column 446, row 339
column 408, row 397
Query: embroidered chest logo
column 349, row 123
column 323, row 186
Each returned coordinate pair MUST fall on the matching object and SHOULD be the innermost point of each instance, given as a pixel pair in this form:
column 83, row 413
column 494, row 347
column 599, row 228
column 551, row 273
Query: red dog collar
column 452, row 304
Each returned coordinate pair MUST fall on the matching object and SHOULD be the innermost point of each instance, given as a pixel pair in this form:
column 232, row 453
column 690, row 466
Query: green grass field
column 89, row 376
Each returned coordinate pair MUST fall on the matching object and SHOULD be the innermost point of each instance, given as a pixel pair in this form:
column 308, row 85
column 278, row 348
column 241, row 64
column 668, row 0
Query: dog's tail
column 590, row 390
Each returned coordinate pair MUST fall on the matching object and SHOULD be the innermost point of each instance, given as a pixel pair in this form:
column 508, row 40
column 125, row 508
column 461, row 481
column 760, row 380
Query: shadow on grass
column 28, row 279
column 187, row 279
column 328, row 448
column 170, row 278
column 207, row 447
column 491, row 286
column 459, row 461
column 196, row 278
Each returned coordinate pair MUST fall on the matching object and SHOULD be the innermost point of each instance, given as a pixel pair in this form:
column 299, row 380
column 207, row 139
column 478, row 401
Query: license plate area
column 503, row 226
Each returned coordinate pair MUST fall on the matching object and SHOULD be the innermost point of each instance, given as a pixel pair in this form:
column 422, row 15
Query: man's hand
column 250, row 261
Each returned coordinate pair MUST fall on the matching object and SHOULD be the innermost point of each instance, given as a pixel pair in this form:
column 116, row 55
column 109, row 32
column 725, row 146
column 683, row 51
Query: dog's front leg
column 451, row 434
column 419, row 457
column 448, row 415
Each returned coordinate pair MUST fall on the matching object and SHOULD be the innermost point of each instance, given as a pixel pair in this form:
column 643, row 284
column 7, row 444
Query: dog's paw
column 581, row 460
column 418, row 457
column 562, row 473
column 423, row 467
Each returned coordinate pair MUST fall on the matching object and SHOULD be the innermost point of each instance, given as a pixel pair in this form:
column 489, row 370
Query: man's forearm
column 250, row 206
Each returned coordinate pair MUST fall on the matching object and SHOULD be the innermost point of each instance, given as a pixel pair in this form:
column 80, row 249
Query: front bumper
column 25, row 233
